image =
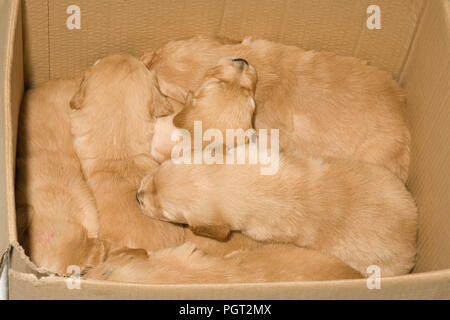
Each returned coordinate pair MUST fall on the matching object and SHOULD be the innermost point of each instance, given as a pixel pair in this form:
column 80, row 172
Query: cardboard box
column 413, row 44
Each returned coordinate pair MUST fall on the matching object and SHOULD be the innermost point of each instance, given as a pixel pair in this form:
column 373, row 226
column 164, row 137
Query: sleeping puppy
column 224, row 100
column 56, row 213
column 358, row 212
column 186, row 264
column 324, row 105
column 113, row 115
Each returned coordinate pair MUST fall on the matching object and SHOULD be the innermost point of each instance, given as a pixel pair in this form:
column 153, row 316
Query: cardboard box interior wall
column 413, row 44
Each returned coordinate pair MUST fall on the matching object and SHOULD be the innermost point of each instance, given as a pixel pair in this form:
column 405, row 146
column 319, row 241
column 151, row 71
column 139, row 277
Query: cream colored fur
column 357, row 212
column 223, row 100
column 56, row 213
column 186, row 264
column 323, row 104
column 113, row 115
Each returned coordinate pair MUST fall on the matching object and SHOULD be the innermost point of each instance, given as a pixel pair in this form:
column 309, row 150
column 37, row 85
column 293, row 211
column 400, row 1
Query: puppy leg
column 187, row 264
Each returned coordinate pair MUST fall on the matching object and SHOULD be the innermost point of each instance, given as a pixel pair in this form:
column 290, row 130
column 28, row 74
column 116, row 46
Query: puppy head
column 161, row 196
column 225, row 98
column 120, row 82
column 232, row 73
column 150, row 203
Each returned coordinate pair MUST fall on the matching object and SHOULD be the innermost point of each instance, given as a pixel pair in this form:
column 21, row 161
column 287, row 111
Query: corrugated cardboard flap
column 31, row 282
column 426, row 79
column 20, row 262
column 11, row 72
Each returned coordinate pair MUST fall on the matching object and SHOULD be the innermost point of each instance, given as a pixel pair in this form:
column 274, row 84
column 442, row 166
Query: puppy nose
column 243, row 63
column 139, row 196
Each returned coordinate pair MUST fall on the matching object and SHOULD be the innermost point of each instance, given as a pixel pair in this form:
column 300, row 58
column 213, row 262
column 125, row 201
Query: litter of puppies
column 97, row 185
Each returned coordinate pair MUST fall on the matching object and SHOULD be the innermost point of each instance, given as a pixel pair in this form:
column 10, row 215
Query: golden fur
column 224, row 100
column 113, row 115
column 56, row 213
column 187, row 264
column 323, row 104
column 357, row 212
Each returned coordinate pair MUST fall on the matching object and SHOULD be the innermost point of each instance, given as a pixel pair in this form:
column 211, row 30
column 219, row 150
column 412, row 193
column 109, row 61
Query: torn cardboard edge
column 432, row 285
column 38, row 280
column 17, row 253
column 24, row 268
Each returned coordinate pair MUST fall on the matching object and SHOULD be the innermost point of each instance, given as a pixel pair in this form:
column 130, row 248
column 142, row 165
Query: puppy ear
column 212, row 225
column 189, row 98
column 160, row 105
column 217, row 232
column 77, row 100
column 172, row 90
column 148, row 190
column 148, row 185
column 148, row 58
column 181, row 118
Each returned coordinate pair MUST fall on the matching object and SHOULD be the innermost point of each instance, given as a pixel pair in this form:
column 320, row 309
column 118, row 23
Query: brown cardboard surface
column 29, row 282
column 5, row 25
column 427, row 83
column 36, row 47
column 53, row 51
column 337, row 26
column 107, row 27
column 420, row 286
column 413, row 44
column 11, row 91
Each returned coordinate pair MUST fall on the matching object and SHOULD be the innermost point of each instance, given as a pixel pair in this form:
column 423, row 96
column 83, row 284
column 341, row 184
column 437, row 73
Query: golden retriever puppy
column 186, row 264
column 113, row 115
column 358, row 212
column 224, row 100
column 56, row 212
column 324, row 105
